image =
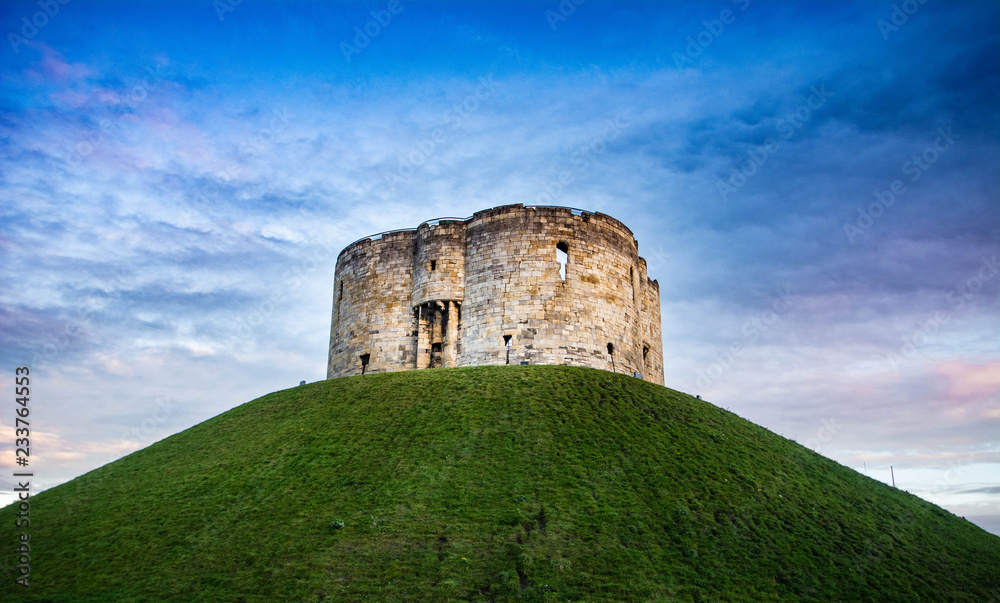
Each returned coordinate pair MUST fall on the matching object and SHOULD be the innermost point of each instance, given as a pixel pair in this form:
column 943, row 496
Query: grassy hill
column 489, row 484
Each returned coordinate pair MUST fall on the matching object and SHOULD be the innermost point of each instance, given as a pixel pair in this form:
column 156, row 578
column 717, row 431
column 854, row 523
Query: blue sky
column 816, row 186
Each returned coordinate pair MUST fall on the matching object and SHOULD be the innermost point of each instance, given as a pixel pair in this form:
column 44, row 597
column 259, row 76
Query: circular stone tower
column 510, row 285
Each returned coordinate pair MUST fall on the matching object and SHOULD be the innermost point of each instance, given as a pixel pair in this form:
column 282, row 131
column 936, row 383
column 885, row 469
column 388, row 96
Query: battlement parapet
column 511, row 284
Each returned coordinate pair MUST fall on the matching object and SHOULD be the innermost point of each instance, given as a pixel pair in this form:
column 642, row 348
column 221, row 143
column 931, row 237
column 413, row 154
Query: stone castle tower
column 510, row 285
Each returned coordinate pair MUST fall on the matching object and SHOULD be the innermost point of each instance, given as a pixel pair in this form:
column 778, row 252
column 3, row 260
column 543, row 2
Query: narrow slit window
column 506, row 344
column 434, row 264
column 562, row 256
column 364, row 362
column 340, row 299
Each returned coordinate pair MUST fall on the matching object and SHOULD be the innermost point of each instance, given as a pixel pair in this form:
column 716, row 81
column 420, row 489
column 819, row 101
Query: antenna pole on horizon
column 893, row 475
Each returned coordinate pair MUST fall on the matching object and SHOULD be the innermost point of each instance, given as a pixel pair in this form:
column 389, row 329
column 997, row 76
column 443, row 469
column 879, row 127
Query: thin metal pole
column 893, row 476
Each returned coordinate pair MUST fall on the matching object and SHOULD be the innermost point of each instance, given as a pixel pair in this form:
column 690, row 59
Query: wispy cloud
column 167, row 176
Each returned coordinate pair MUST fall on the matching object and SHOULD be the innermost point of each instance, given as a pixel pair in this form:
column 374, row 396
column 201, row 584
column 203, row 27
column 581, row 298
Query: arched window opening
column 507, row 344
column 562, row 256
column 364, row 362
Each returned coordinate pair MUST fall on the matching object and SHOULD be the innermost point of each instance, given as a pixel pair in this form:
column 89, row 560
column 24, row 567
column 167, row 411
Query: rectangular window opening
column 562, row 256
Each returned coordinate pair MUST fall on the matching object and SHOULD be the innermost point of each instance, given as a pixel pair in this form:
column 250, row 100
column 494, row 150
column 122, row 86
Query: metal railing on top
column 434, row 222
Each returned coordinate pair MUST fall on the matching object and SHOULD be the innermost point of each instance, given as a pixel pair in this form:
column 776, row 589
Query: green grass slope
column 489, row 484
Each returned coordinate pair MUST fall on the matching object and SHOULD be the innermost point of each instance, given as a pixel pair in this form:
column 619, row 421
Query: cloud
column 51, row 66
column 172, row 211
column 962, row 383
column 983, row 490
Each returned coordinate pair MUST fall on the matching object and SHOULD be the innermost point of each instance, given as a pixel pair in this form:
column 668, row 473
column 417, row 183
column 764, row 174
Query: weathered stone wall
column 649, row 331
column 489, row 290
column 439, row 265
column 372, row 313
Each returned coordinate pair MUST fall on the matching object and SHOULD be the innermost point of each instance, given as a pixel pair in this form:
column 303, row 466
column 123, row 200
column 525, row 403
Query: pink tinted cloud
column 162, row 121
column 71, row 78
column 966, row 382
column 107, row 97
column 69, row 98
column 54, row 68
column 178, row 137
column 57, row 68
